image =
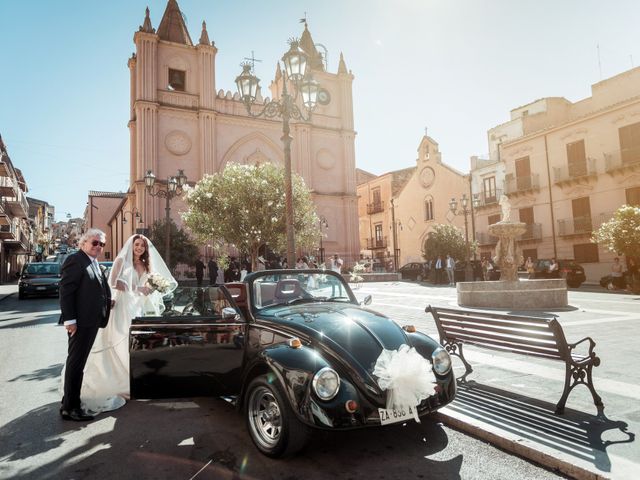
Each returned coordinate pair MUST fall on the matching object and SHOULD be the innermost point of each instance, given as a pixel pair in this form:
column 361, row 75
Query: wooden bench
column 538, row 337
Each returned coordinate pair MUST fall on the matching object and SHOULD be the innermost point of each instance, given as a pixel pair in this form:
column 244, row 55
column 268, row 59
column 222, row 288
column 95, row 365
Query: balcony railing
column 375, row 243
column 575, row 172
column 7, row 186
column 515, row 185
column 581, row 225
column 483, row 238
column 8, row 232
column 533, row 232
column 4, row 216
column 488, row 198
column 17, row 205
column 375, row 207
column 622, row 159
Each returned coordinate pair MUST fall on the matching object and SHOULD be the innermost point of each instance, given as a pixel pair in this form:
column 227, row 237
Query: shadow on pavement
column 575, row 434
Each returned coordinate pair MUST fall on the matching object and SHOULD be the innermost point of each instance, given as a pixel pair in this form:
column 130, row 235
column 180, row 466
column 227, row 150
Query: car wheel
column 573, row 284
column 273, row 426
column 21, row 296
column 418, row 278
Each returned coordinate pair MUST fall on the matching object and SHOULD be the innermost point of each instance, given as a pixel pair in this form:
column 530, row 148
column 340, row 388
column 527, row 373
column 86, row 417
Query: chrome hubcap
column 265, row 419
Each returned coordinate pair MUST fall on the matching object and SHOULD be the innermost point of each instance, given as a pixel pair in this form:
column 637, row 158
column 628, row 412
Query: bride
column 105, row 384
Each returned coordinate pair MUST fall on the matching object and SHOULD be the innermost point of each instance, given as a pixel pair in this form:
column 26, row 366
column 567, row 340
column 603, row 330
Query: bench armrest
column 591, row 356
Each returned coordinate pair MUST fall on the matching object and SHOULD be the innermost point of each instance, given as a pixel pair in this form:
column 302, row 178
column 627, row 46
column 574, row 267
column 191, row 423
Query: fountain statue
column 508, row 254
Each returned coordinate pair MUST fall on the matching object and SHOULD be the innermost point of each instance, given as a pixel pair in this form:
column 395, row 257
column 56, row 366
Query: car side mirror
column 17, row 274
column 229, row 312
column 367, row 300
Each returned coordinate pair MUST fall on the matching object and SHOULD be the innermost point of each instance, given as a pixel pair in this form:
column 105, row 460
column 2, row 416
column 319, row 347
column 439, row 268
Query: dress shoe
column 75, row 414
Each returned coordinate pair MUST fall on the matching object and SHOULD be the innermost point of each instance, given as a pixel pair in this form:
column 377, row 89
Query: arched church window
column 177, row 80
column 428, row 209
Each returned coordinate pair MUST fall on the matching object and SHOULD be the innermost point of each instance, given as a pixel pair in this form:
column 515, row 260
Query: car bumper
column 39, row 290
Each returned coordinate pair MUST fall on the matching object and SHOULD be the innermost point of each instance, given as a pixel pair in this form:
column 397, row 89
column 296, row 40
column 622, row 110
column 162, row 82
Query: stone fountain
column 509, row 291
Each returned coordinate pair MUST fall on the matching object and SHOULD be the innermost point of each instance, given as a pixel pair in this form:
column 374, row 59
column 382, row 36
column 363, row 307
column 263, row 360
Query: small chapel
column 180, row 122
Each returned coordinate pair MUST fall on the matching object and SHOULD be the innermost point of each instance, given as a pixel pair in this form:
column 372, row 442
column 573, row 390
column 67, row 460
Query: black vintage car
column 293, row 349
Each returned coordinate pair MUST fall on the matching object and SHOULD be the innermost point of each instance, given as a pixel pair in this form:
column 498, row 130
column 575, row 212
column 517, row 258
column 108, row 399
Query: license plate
column 41, row 288
column 395, row 415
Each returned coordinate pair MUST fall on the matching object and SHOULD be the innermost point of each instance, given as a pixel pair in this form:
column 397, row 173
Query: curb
column 3, row 296
column 517, row 446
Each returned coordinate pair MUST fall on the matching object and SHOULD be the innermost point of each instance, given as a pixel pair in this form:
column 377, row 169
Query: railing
column 581, row 225
column 521, row 184
column 375, row 207
column 178, row 99
column 7, row 186
column 375, row 243
column 483, row 238
column 17, row 205
column 487, row 198
column 574, row 172
column 533, row 232
column 621, row 159
column 8, row 232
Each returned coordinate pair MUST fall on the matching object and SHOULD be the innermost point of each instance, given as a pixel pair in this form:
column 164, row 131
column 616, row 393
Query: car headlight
column 326, row 383
column 441, row 361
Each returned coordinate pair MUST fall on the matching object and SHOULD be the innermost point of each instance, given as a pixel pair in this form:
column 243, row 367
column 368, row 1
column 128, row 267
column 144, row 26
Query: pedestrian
column 85, row 302
column 336, row 263
column 212, row 267
column 530, row 268
column 439, row 269
column 450, row 265
column 199, row 271
column 554, row 271
column 617, row 280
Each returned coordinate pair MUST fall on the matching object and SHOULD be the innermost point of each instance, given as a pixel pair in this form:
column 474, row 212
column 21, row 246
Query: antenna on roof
column 252, row 60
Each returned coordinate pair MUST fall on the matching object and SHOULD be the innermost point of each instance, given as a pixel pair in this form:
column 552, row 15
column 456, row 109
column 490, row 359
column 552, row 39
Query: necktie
column 96, row 269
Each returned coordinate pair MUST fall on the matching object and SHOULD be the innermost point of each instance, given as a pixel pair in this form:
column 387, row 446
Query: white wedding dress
column 105, row 385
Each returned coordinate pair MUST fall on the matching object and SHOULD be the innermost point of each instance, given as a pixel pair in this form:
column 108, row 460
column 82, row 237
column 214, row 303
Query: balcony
column 519, row 185
column 4, row 217
column 622, row 161
column 575, row 174
column 576, row 226
column 484, row 239
column 375, row 207
column 488, row 198
column 7, row 186
column 4, row 168
column 13, row 234
column 17, row 204
column 533, row 233
column 376, row 243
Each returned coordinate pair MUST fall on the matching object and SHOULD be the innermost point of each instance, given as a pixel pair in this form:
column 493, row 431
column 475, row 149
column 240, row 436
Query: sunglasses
column 95, row 243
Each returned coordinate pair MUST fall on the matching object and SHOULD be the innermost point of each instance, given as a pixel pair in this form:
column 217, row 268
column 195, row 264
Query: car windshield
column 43, row 269
column 287, row 287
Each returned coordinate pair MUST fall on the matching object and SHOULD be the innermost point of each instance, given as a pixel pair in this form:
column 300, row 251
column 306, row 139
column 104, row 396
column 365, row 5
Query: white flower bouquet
column 159, row 283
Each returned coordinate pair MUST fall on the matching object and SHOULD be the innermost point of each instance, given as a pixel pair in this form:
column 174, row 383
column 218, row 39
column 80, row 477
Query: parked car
column 567, row 269
column 459, row 274
column 293, row 349
column 39, row 278
column 414, row 271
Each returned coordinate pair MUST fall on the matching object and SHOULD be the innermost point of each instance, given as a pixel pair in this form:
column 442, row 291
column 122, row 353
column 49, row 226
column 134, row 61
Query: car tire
column 21, row 296
column 574, row 284
column 418, row 278
column 272, row 425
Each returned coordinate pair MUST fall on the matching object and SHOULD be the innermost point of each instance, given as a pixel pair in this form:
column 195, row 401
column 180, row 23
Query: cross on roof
column 252, row 60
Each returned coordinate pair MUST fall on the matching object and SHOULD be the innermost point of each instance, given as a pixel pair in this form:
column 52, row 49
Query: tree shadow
column 52, row 371
column 576, row 434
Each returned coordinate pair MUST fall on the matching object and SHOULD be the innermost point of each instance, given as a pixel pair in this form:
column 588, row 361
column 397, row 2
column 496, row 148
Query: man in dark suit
column 199, row 270
column 85, row 301
column 213, row 271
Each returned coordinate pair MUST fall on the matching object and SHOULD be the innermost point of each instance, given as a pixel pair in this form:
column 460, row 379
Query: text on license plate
column 395, row 415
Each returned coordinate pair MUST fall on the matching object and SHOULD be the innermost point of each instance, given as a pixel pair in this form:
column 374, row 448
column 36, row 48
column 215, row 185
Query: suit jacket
column 83, row 296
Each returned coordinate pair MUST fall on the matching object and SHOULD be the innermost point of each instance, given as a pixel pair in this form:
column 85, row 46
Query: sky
column 455, row 67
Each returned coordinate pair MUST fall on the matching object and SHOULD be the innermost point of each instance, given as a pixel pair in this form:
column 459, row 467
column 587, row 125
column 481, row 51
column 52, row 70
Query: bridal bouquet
column 159, row 283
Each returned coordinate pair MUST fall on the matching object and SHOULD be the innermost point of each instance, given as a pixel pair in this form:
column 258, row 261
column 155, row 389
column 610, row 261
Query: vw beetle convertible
column 293, row 349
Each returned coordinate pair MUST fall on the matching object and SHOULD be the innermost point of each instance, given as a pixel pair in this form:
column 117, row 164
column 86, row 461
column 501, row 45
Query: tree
column 244, row 205
column 621, row 234
column 445, row 240
column 183, row 249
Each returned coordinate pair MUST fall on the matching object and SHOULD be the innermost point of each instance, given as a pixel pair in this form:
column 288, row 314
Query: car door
column 195, row 348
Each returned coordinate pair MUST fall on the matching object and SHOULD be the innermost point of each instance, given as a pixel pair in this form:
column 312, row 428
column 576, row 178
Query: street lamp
column 135, row 213
column 323, row 225
column 465, row 210
column 295, row 63
column 173, row 189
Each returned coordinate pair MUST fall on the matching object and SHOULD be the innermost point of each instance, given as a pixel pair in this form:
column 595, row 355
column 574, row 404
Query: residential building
column 41, row 216
column 179, row 120
column 567, row 168
column 15, row 231
column 98, row 213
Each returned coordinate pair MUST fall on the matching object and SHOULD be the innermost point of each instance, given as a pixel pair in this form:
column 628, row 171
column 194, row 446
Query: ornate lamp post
column 466, row 209
column 323, row 225
column 295, row 63
column 173, row 189
column 135, row 213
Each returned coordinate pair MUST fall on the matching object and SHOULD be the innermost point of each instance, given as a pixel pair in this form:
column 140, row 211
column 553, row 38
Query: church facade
column 179, row 121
